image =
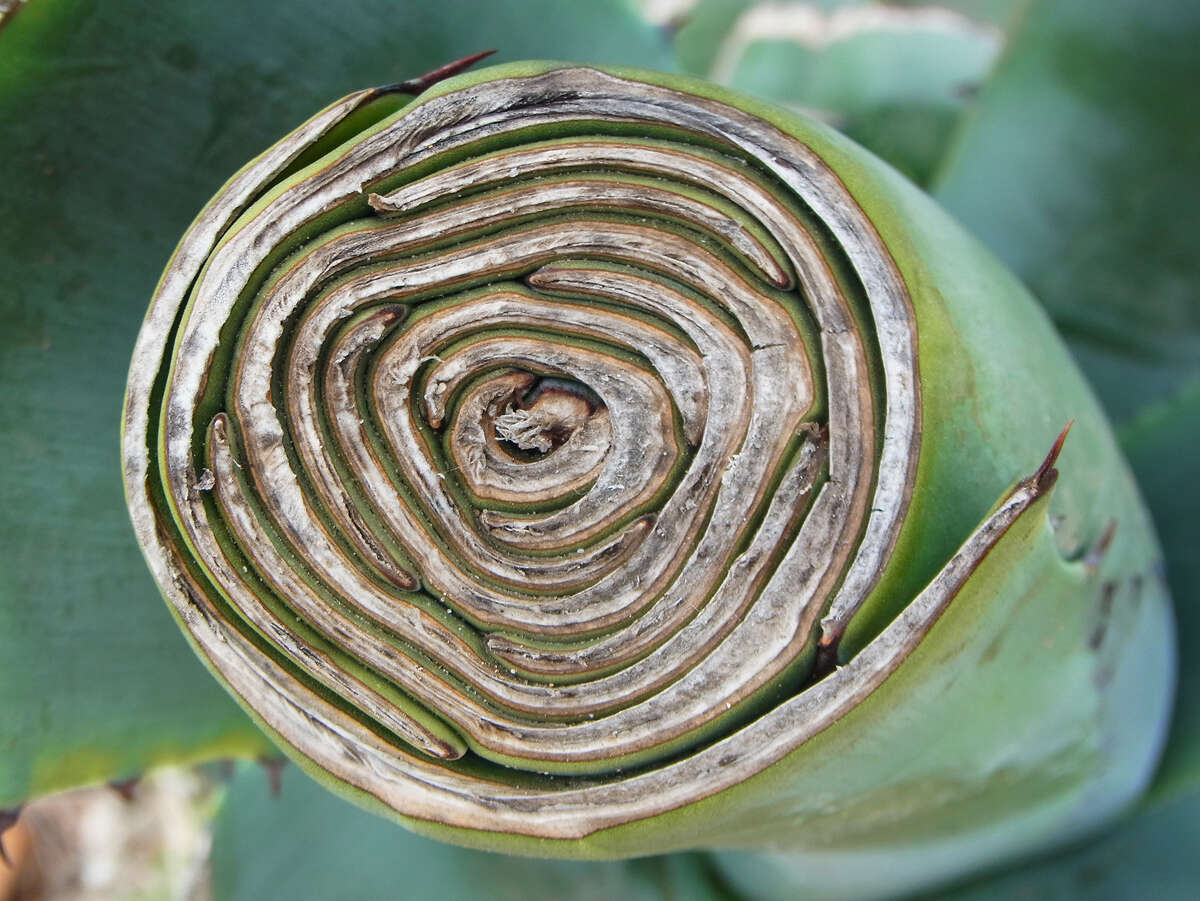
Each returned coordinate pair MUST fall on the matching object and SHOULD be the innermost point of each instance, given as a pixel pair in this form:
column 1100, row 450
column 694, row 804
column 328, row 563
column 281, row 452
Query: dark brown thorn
column 1104, row 612
column 125, row 787
column 8, row 819
column 1095, row 555
column 1043, row 480
column 273, row 767
column 426, row 81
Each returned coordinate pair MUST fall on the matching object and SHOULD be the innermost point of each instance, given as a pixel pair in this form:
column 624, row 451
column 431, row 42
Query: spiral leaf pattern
column 522, row 460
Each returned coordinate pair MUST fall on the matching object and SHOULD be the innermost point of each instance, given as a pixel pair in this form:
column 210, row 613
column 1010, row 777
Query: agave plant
column 592, row 463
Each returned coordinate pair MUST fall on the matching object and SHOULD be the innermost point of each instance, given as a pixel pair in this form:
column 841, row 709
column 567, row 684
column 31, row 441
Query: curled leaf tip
column 441, row 73
column 1046, row 475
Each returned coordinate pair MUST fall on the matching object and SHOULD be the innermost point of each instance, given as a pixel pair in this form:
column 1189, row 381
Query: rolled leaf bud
column 597, row 463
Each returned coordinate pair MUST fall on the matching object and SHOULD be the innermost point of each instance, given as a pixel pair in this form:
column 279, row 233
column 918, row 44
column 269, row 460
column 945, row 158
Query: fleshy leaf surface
column 1079, row 168
column 1152, row 850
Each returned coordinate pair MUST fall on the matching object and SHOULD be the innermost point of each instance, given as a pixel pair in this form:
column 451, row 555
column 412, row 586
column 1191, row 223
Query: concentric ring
column 522, row 460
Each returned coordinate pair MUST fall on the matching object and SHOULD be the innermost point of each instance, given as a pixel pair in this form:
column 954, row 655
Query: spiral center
column 566, row 455
column 547, row 416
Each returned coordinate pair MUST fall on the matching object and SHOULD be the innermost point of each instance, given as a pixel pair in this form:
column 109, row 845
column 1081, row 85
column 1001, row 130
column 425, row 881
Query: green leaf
column 1161, row 445
column 995, row 12
column 118, row 120
column 894, row 80
column 707, row 25
column 1080, row 168
column 306, row 843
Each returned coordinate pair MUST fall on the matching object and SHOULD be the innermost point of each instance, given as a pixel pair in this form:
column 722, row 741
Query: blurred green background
column 1063, row 133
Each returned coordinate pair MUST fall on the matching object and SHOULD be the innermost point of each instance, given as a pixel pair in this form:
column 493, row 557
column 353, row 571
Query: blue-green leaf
column 308, row 844
column 1150, row 855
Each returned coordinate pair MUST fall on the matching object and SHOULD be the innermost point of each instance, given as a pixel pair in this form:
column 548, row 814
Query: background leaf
column 303, row 843
column 1162, row 447
column 995, row 12
column 705, row 28
column 895, row 77
column 118, row 120
column 1151, row 855
column 1079, row 166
